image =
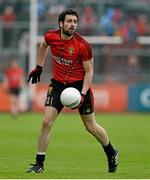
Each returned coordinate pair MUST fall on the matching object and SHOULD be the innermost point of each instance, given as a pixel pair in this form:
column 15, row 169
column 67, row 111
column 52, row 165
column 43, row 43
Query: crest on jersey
column 71, row 50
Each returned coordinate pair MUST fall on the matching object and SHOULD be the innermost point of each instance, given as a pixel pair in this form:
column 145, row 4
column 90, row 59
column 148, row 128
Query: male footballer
column 72, row 67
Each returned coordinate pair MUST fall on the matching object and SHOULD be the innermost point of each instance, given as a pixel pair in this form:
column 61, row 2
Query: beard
column 68, row 32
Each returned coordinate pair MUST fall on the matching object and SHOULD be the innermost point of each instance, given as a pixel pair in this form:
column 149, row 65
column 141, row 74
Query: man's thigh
column 53, row 99
column 88, row 104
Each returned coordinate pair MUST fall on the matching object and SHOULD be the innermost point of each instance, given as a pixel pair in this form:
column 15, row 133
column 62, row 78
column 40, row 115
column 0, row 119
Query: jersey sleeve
column 86, row 52
column 47, row 38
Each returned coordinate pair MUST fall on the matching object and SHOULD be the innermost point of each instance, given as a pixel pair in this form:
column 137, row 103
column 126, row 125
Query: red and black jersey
column 67, row 56
column 14, row 76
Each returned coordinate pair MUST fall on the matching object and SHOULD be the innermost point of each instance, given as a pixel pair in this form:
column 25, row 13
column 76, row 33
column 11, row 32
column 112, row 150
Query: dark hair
column 69, row 11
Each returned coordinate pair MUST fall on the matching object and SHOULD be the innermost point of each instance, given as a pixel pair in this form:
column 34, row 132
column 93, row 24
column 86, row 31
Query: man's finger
column 29, row 78
column 38, row 79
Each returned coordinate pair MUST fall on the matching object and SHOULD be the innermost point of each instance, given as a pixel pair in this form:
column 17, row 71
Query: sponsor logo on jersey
column 61, row 60
column 71, row 50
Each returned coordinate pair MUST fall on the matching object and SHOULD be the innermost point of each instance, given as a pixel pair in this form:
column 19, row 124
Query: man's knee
column 47, row 123
column 49, row 117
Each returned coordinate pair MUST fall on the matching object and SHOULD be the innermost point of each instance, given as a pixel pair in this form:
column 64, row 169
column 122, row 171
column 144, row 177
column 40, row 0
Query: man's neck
column 65, row 37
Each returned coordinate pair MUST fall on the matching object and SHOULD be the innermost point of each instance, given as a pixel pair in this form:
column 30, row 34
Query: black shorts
column 55, row 89
column 15, row 91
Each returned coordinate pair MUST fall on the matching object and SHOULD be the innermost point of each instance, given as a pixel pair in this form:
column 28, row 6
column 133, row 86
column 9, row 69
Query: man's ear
column 60, row 24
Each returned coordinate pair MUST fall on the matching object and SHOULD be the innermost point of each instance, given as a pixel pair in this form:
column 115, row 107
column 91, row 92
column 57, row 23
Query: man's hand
column 81, row 102
column 35, row 74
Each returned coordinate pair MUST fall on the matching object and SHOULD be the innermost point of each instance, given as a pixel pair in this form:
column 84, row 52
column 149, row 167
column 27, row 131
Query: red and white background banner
column 107, row 98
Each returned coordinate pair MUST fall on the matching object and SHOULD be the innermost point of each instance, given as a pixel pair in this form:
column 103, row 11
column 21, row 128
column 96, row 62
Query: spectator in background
column 117, row 16
column 13, row 82
column 8, row 18
column 107, row 23
column 127, row 24
column 41, row 9
column 88, row 20
column 142, row 25
column 8, row 15
column 132, row 69
column 128, row 29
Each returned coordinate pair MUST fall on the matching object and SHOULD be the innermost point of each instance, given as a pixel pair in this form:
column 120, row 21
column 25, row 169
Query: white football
column 70, row 97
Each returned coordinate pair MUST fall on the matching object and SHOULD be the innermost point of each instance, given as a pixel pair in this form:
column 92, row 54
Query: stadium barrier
column 107, row 98
column 139, row 98
column 5, row 100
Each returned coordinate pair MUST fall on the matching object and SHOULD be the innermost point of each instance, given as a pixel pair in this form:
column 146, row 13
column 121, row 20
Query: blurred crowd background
column 126, row 62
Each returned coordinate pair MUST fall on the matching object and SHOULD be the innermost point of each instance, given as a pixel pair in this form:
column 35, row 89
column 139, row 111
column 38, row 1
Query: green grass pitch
column 73, row 153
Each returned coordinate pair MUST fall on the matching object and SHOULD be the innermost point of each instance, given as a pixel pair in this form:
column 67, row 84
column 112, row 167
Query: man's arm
column 42, row 53
column 88, row 67
column 87, row 81
column 35, row 74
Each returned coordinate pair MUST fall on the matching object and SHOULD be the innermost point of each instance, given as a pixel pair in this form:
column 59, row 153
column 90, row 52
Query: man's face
column 69, row 25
